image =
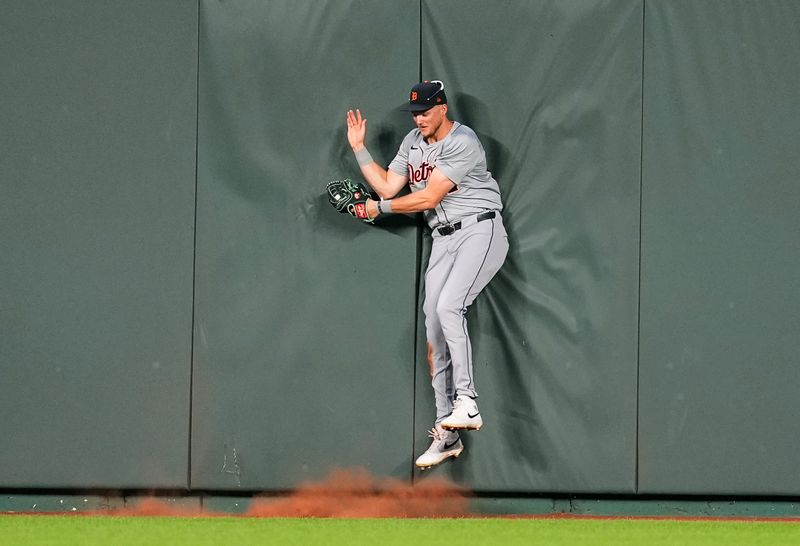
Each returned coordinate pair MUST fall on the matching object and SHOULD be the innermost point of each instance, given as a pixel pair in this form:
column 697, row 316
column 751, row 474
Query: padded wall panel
column 96, row 218
column 720, row 249
column 553, row 90
column 304, row 340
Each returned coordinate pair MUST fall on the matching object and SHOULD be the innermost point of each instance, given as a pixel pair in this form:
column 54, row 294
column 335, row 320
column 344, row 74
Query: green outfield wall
column 181, row 309
column 97, row 216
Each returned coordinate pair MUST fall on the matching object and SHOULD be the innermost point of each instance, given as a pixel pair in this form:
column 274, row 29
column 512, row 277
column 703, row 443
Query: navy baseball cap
column 425, row 95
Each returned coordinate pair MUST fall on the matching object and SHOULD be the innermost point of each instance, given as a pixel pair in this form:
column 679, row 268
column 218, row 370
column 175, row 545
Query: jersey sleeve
column 399, row 164
column 460, row 156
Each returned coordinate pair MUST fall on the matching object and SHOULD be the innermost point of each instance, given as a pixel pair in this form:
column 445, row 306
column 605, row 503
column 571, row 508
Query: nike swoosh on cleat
column 473, row 416
column 448, row 446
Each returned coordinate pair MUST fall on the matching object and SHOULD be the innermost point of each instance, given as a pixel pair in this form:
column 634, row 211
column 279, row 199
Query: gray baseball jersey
column 469, row 246
column 460, row 156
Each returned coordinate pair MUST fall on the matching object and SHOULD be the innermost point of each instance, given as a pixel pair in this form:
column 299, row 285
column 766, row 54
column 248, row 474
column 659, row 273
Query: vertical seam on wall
column 417, row 347
column 419, row 75
column 194, row 249
column 639, row 287
column 417, row 286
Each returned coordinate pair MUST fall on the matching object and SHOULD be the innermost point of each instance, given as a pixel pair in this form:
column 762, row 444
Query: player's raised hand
column 356, row 129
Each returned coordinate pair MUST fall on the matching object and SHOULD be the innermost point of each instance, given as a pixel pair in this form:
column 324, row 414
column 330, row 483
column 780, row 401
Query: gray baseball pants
column 460, row 266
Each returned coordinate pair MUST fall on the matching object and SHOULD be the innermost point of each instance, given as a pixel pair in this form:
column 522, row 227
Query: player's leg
column 438, row 270
column 444, row 443
column 480, row 253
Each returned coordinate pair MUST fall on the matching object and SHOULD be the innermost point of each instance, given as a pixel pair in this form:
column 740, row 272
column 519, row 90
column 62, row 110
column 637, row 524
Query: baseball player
column 445, row 166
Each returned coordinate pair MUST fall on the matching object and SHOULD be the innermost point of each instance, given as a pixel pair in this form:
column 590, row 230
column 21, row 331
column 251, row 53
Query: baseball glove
column 351, row 197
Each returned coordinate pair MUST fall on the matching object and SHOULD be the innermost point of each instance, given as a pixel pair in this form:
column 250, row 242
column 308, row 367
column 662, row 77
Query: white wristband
column 363, row 157
column 385, row 207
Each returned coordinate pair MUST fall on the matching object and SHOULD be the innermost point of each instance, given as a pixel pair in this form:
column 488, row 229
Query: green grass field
column 113, row 530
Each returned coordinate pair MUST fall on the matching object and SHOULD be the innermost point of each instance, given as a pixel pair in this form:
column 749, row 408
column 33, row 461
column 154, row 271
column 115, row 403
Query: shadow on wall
column 384, row 138
column 500, row 316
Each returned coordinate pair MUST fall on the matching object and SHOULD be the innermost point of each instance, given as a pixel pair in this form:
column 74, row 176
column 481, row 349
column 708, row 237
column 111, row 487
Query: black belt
column 449, row 229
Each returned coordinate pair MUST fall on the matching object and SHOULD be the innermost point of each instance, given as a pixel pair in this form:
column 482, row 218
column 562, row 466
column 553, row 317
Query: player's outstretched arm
column 436, row 189
column 387, row 184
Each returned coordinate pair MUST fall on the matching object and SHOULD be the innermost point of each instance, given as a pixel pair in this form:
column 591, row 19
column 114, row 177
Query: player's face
column 429, row 121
